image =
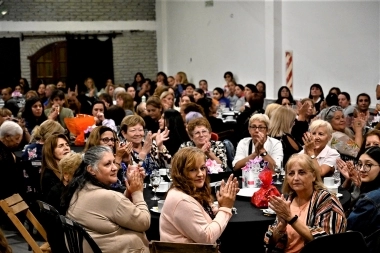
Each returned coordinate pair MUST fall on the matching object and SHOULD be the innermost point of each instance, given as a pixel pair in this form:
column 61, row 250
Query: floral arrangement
column 213, row 167
column 255, row 164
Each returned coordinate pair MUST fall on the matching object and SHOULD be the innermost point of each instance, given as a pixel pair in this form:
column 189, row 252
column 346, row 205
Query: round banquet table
column 244, row 232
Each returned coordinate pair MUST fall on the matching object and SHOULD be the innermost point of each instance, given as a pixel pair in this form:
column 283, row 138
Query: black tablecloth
column 244, row 232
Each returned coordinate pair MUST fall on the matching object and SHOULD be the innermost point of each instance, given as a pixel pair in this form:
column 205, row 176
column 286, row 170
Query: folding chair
column 173, row 247
column 344, row 242
column 74, row 235
column 51, row 221
column 14, row 205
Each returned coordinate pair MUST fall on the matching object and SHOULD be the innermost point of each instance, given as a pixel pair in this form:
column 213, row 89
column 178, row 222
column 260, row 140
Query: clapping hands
column 348, row 171
column 227, row 194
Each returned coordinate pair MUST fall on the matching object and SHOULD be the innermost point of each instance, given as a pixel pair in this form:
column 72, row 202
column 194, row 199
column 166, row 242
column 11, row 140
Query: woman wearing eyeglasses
column 259, row 144
column 365, row 215
column 199, row 131
column 346, row 142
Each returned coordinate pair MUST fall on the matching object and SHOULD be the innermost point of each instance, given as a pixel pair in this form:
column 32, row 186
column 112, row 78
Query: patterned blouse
column 217, row 147
column 325, row 216
column 344, row 144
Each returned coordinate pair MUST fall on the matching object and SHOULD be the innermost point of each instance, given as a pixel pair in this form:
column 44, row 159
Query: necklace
column 301, row 208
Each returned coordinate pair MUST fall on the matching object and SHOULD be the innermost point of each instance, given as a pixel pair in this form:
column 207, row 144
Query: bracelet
column 292, row 220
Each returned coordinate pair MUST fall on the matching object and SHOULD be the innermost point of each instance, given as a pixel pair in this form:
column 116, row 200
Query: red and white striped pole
column 289, row 69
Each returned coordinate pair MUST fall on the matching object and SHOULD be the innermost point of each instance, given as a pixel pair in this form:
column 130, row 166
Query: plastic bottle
column 336, row 177
column 143, row 99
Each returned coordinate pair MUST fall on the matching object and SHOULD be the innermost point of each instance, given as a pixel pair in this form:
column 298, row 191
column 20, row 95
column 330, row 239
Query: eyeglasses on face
column 260, row 128
column 366, row 167
column 199, row 133
column 106, row 140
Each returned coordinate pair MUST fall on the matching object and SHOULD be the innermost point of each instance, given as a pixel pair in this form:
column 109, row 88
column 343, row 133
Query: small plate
column 339, row 195
column 155, row 209
column 269, row 211
column 247, row 192
column 213, row 184
column 160, row 191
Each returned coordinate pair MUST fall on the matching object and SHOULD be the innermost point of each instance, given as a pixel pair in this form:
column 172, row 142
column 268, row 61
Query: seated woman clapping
column 150, row 152
column 99, row 111
column 316, row 147
column 187, row 214
column 199, row 131
column 259, row 144
column 116, row 221
column 308, row 212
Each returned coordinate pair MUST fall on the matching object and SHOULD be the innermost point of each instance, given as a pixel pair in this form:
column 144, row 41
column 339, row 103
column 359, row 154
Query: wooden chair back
column 174, row 247
column 14, row 205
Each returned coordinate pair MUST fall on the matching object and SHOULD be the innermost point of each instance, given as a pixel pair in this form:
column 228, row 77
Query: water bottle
column 143, row 99
column 336, row 177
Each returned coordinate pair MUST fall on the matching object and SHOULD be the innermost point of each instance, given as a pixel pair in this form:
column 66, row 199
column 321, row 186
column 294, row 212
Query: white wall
column 205, row 42
column 334, row 43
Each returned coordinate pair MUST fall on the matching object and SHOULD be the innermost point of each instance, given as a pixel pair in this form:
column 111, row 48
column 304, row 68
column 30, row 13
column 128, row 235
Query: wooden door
column 49, row 64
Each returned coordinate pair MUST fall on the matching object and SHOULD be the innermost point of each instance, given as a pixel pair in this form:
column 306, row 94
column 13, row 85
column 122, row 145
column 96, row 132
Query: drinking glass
column 277, row 169
column 155, row 179
column 169, row 171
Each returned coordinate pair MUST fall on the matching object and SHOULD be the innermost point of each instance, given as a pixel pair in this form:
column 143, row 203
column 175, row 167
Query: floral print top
column 344, row 144
column 217, row 147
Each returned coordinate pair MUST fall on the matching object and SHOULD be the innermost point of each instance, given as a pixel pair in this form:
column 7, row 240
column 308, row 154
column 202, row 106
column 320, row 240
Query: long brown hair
column 4, row 247
column 94, row 138
column 183, row 161
column 48, row 160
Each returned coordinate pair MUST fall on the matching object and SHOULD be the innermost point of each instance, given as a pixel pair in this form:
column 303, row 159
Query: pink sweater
column 184, row 220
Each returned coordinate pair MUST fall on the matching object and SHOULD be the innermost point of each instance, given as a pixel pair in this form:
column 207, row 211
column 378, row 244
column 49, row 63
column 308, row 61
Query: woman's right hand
column 134, row 182
column 147, row 143
column 227, row 194
column 308, row 140
column 54, row 113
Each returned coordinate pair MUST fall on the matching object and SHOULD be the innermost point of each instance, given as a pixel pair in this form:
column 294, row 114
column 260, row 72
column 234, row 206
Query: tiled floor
column 17, row 242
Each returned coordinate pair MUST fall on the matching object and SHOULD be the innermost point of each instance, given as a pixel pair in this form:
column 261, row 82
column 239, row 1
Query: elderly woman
column 187, row 215
column 99, row 111
column 343, row 140
column 280, row 126
column 11, row 176
column 33, row 113
column 309, row 211
column 150, row 152
column 199, row 131
column 106, row 214
column 105, row 136
column 323, row 156
column 259, row 144
column 54, row 149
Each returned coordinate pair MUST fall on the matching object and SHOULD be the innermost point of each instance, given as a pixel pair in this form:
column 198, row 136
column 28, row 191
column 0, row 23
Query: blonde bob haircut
column 306, row 163
column 183, row 161
column 46, row 129
column 260, row 117
column 269, row 110
column 282, row 121
column 321, row 123
column 69, row 164
column 131, row 121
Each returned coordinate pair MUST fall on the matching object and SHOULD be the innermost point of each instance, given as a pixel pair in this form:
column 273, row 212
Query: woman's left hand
column 206, row 148
column 281, row 206
column 161, row 137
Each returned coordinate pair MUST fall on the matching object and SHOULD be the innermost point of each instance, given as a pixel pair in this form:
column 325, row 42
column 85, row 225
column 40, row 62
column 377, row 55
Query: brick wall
column 80, row 10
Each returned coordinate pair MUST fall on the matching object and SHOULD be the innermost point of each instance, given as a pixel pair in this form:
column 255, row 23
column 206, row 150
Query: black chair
column 348, row 242
column 74, row 234
column 373, row 241
column 51, row 221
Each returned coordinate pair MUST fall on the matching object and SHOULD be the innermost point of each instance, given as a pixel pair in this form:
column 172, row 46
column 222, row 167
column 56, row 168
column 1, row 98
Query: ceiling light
column 4, row 12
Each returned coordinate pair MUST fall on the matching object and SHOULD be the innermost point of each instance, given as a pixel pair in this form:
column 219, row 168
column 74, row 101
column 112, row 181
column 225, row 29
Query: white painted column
column 162, row 35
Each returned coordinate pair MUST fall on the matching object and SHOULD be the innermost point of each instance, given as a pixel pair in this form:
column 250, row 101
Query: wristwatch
column 263, row 154
column 312, row 156
column 164, row 150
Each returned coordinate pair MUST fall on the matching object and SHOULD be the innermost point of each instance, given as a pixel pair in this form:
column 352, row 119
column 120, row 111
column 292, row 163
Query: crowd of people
column 150, row 124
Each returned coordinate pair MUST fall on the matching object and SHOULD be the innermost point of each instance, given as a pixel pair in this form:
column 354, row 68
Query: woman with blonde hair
column 269, row 110
column 309, row 211
column 188, row 214
column 280, row 127
column 167, row 100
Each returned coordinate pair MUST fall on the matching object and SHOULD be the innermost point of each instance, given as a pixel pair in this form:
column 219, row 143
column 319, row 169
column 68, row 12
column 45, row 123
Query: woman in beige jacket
column 117, row 222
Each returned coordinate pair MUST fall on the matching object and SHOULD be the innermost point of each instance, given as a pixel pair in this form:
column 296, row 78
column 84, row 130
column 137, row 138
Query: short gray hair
column 94, row 154
column 260, row 117
column 10, row 128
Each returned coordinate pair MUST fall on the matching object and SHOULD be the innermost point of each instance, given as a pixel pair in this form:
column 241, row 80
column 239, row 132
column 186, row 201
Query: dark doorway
column 10, row 66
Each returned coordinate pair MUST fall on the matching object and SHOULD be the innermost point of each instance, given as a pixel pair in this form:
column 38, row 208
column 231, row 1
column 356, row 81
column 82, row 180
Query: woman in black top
column 316, row 93
column 33, row 113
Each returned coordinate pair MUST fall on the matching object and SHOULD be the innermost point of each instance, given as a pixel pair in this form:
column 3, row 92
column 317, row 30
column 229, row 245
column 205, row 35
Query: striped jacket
column 325, row 216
